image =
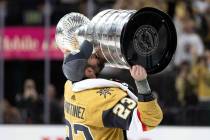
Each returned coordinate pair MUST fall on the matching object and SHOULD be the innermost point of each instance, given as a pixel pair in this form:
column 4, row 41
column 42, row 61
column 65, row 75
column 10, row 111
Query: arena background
column 31, row 79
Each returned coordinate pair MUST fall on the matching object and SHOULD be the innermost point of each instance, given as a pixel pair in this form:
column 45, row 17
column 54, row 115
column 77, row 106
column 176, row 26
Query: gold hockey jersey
column 106, row 113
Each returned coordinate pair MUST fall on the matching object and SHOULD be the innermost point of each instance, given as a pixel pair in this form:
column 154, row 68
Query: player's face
column 95, row 65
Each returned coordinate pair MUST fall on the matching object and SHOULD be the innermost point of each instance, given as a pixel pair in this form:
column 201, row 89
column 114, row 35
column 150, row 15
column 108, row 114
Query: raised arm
column 149, row 111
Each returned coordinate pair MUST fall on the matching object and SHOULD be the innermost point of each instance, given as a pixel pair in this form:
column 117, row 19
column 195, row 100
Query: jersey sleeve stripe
column 144, row 127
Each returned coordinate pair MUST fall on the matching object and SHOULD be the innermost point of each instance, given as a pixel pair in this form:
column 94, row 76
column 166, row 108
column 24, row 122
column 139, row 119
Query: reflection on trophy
column 125, row 37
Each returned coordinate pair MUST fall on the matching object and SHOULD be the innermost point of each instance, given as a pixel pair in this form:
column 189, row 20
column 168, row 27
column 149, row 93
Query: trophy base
column 149, row 39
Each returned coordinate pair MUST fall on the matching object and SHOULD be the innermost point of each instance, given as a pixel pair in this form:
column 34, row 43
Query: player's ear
column 89, row 72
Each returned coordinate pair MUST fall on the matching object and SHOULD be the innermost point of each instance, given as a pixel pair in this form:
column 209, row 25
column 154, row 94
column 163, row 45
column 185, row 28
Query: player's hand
column 138, row 73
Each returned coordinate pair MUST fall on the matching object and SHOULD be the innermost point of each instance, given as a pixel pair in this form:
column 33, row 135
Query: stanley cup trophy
column 125, row 37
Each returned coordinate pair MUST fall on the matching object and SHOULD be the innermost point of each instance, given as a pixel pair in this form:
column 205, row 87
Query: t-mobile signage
column 29, row 43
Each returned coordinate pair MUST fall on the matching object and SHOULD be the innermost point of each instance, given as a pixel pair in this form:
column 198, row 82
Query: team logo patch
column 104, row 92
column 73, row 97
column 145, row 40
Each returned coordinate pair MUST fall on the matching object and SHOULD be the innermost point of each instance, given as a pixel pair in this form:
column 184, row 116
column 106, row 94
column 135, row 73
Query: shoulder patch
column 104, row 92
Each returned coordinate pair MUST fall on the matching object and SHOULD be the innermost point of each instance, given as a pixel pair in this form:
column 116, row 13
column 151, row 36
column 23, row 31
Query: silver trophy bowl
column 125, row 37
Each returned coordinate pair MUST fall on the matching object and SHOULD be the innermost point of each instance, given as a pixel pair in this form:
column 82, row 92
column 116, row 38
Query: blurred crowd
column 29, row 106
column 183, row 88
column 192, row 58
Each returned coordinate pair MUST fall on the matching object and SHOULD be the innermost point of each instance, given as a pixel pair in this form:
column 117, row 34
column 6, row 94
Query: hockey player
column 100, row 109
